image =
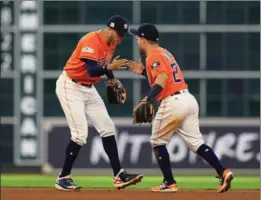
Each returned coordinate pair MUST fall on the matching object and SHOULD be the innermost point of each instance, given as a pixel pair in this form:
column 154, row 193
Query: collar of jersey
column 153, row 51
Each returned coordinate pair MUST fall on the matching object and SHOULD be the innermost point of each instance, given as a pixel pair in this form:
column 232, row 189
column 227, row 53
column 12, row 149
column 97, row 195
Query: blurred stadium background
column 216, row 43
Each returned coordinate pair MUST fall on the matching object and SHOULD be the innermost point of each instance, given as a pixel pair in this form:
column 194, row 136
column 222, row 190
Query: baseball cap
column 119, row 24
column 147, row 31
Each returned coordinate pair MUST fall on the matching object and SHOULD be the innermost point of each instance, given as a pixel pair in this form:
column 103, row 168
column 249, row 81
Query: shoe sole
column 131, row 182
column 227, row 183
column 166, row 190
column 60, row 188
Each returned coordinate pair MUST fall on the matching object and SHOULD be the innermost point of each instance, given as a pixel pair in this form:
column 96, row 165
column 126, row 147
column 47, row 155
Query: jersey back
column 160, row 60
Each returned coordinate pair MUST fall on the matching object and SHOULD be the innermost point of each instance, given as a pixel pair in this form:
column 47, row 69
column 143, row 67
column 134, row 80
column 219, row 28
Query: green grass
column 184, row 182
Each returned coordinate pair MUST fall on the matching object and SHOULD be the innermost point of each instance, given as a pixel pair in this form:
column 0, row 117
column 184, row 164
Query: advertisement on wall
column 27, row 90
column 237, row 147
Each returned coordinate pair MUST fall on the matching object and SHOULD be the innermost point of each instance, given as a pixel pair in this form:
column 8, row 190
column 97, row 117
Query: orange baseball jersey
column 91, row 46
column 160, row 60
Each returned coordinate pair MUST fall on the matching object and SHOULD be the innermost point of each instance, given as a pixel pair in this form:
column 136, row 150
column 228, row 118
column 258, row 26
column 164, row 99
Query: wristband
column 154, row 92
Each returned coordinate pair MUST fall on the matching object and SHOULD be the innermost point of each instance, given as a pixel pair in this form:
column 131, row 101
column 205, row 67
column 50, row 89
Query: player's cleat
column 225, row 181
column 165, row 188
column 66, row 184
column 123, row 179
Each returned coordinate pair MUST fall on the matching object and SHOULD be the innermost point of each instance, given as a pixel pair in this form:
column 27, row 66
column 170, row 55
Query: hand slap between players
column 117, row 64
column 135, row 67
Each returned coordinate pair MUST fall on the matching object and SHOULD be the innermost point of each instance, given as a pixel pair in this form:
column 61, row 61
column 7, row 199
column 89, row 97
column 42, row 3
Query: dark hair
column 152, row 42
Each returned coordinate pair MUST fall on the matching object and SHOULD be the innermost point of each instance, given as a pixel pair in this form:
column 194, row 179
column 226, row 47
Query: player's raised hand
column 136, row 67
column 118, row 64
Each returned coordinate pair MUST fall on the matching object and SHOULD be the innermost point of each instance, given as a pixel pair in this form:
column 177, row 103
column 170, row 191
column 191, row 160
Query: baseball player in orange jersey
column 82, row 104
column 178, row 110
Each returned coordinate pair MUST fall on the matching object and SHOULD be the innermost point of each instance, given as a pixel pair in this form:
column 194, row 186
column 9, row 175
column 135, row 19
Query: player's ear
column 143, row 41
column 109, row 32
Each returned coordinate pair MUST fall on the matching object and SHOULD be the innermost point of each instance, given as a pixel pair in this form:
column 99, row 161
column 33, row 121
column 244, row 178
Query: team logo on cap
column 125, row 26
column 112, row 24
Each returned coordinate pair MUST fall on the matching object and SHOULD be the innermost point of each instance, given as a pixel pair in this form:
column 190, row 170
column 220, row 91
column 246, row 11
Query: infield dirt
column 53, row 194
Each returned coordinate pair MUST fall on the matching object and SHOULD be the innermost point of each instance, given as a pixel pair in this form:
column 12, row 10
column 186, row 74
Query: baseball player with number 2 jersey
column 82, row 104
column 178, row 111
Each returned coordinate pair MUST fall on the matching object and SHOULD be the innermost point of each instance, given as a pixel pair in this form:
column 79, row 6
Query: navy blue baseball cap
column 119, row 24
column 147, row 31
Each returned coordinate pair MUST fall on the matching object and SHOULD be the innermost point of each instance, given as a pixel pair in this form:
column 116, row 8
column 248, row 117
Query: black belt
column 176, row 93
column 86, row 85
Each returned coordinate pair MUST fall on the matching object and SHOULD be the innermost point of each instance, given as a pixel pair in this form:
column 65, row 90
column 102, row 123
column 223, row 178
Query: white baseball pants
column 82, row 105
column 177, row 114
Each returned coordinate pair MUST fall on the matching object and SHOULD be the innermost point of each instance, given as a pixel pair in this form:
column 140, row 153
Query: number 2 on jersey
column 174, row 66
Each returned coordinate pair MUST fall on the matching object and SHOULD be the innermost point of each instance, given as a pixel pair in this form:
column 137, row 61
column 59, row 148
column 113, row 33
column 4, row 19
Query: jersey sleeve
column 90, row 49
column 156, row 65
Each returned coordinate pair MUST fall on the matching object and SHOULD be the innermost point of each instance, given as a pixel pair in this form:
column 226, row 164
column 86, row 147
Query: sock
column 110, row 147
column 208, row 155
column 70, row 156
column 162, row 156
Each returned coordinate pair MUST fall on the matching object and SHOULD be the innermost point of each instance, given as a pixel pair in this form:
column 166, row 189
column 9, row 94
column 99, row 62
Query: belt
column 86, row 85
column 179, row 92
column 176, row 93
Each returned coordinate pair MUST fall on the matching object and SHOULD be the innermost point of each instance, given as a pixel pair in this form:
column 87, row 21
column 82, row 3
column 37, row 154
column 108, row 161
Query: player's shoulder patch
column 155, row 65
column 87, row 50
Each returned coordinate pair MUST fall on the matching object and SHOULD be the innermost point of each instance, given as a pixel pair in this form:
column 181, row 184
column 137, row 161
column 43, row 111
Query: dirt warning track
column 53, row 194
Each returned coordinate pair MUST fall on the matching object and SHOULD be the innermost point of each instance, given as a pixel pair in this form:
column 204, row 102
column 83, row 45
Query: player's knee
column 195, row 145
column 109, row 130
column 79, row 140
column 107, row 134
column 157, row 142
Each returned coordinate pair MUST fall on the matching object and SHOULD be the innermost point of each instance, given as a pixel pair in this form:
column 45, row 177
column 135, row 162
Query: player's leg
column 72, row 103
column 191, row 134
column 97, row 114
column 164, row 124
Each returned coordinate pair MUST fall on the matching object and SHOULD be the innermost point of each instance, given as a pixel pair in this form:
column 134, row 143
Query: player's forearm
column 94, row 69
column 143, row 61
column 154, row 92
column 109, row 74
column 158, row 86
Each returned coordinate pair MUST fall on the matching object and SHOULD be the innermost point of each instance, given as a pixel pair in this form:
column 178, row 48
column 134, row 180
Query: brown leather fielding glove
column 144, row 112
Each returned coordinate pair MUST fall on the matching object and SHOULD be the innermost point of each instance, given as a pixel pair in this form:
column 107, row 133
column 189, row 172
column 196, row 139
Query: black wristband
column 144, row 73
column 109, row 74
column 154, row 92
column 105, row 69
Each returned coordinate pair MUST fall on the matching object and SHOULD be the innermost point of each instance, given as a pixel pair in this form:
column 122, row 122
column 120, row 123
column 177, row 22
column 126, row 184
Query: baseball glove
column 144, row 112
column 116, row 93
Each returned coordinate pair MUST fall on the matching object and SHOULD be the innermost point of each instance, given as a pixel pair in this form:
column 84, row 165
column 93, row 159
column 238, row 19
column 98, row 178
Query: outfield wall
column 236, row 143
